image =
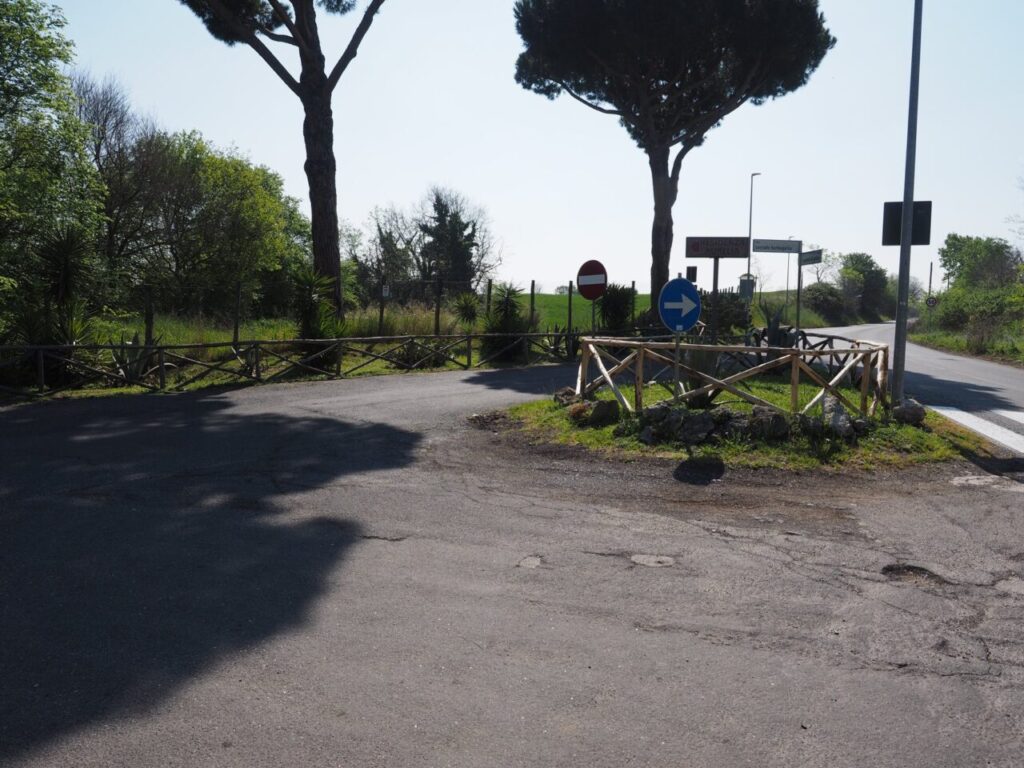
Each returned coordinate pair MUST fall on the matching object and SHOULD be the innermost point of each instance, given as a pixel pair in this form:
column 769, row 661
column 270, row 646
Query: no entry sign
column 592, row 280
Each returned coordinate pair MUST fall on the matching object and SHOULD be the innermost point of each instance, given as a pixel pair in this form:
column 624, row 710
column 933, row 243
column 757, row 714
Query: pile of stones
column 667, row 423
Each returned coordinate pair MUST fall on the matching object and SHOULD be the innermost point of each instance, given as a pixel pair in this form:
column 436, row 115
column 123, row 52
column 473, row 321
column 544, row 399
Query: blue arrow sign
column 679, row 305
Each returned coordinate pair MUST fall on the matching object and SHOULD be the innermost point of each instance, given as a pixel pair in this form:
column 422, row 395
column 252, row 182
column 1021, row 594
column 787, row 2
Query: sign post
column 679, row 309
column 716, row 248
column 808, row 257
column 592, row 282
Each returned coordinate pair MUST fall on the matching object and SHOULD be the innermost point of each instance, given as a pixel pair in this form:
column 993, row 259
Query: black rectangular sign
column 892, row 223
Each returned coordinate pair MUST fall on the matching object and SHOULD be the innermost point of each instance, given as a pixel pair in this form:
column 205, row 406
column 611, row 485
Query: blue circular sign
column 679, row 305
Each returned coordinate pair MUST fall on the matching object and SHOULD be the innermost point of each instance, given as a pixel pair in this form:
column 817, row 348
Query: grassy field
column 887, row 444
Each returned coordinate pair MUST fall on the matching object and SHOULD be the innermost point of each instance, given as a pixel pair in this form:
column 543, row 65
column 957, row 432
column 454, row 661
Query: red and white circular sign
column 592, row 280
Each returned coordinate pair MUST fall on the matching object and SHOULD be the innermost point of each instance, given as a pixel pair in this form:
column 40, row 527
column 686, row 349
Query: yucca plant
column 131, row 358
column 466, row 308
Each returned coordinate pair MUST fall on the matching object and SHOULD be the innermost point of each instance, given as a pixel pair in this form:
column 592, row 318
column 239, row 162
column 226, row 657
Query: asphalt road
column 985, row 396
column 349, row 574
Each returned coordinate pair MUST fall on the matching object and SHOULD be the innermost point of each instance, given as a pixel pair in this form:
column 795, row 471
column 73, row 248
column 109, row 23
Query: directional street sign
column 592, row 280
column 810, row 257
column 778, row 246
column 717, row 247
column 679, row 305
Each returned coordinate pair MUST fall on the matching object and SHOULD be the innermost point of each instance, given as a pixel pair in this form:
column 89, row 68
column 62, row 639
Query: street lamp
column 750, row 226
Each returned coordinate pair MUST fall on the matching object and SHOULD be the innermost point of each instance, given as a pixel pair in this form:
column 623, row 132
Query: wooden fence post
column 469, row 351
column 160, row 361
column 632, row 305
column 487, row 306
column 794, row 383
column 238, row 312
column 570, row 338
column 40, row 370
column 257, row 363
column 638, row 381
column 437, row 307
column 533, row 286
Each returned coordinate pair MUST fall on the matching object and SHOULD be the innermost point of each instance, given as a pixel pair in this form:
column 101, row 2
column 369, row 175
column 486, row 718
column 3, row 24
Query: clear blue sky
column 431, row 99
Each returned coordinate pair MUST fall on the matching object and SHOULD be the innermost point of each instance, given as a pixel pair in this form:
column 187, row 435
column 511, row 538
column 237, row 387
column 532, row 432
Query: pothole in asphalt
column 530, row 561
column 653, row 561
column 914, row 574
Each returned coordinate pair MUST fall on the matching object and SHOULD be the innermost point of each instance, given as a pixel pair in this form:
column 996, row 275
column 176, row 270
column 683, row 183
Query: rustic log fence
column 43, row 371
column 822, row 362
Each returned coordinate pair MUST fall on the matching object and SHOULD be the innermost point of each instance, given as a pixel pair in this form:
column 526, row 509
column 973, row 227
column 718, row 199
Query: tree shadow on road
column 146, row 539
column 536, row 380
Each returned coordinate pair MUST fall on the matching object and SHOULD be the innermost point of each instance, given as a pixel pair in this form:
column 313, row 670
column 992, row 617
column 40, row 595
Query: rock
column 861, row 426
column 811, row 426
column 605, row 412
column 909, row 412
column 768, row 423
column 736, row 427
column 579, row 413
column 646, row 436
column 723, row 415
column 672, row 423
column 655, row 414
column 696, row 428
column 836, row 419
column 566, row 396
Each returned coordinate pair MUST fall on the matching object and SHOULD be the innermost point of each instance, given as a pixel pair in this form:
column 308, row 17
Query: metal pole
column 675, row 378
column 570, row 338
column 714, row 305
column 931, row 267
column 899, row 358
column 799, row 287
column 788, row 255
column 750, row 230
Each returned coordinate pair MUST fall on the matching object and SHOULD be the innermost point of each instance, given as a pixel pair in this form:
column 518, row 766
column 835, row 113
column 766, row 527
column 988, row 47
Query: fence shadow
column 146, row 539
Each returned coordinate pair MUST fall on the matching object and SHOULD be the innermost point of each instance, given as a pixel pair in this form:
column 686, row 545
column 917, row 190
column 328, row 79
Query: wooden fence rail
column 864, row 361
column 43, row 371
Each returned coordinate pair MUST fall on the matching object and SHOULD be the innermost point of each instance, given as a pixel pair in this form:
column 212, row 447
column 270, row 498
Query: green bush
column 827, row 301
column 615, row 309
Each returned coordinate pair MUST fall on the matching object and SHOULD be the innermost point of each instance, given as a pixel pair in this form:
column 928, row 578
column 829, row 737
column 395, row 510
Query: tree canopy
column 259, row 23
column 669, row 73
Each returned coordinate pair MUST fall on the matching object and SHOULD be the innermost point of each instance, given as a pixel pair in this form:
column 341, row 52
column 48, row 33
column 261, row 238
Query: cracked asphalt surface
column 351, row 574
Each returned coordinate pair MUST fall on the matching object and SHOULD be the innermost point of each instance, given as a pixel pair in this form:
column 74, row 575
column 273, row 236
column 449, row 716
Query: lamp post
column 750, row 228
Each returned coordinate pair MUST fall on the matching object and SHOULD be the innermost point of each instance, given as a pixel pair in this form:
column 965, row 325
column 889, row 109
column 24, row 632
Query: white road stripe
column 591, row 280
column 994, row 432
column 1011, row 415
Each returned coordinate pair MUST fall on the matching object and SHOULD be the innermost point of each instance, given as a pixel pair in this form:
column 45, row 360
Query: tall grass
column 171, row 330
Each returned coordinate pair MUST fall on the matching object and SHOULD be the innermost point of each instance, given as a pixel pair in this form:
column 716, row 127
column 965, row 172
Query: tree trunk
column 665, row 190
column 321, row 171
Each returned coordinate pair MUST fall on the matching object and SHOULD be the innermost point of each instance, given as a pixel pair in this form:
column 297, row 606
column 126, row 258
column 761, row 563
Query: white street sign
column 777, row 246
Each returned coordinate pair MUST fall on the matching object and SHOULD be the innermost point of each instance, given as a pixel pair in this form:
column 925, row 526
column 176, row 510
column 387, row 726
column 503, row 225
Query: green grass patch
column 1006, row 346
column 886, row 445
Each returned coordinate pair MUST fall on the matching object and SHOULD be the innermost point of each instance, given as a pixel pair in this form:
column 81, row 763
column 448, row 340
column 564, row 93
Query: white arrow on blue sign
column 679, row 305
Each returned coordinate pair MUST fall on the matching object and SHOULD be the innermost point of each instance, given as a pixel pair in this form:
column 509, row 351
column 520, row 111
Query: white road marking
column 1011, row 415
column 994, row 432
column 591, row 280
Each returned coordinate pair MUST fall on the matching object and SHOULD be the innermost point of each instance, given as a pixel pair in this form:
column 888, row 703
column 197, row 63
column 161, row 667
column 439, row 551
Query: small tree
column 259, row 22
column 670, row 72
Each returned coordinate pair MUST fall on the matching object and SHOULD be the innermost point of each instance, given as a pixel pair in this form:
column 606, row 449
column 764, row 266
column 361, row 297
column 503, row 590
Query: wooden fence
column 820, row 360
column 43, row 371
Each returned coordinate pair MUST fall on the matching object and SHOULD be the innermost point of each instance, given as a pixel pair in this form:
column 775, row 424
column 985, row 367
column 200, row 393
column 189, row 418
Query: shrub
column 616, row 308
column 827, row 301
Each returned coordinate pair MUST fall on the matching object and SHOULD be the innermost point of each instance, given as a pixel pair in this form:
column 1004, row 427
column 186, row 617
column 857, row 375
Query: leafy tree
column 860, row 270
column 46, row 182
column 259, row 22
column 457, row 244
column 670, row 72
column 981, row 262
